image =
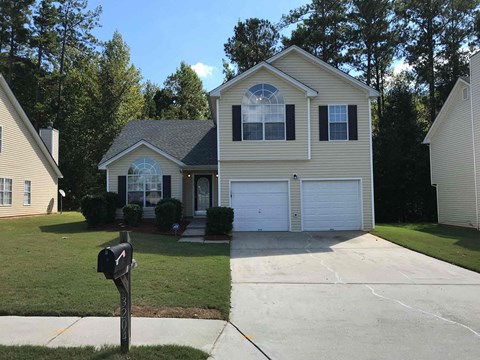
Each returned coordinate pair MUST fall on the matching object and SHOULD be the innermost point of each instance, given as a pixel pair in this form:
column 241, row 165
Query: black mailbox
column 114, row 261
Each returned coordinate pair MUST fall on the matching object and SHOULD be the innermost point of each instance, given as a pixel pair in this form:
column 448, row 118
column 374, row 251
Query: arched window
column 144, row 182
column 263, row 113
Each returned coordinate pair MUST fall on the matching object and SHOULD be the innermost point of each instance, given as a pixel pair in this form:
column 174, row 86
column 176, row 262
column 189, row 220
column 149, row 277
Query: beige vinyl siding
column 22, row 159
column 475, row 93
column 188, row 190
column 329, row 159
column 120, row 168
column 258, row 149
column 452, row 163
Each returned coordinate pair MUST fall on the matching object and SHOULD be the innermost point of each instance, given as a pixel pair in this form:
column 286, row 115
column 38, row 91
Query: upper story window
column 144, row 182
column 5, row 192
column 263, row 113
column 338, row 122
column 465, row 93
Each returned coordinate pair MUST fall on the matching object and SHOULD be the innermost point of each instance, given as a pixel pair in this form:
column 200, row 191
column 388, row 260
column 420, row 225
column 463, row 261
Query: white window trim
column 30, row 192
column 3, row 190
column 348, row 135
column 263, row 126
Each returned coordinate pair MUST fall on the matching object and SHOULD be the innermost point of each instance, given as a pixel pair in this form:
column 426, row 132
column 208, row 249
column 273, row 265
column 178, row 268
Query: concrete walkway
column 195, row 231
column 98, row 331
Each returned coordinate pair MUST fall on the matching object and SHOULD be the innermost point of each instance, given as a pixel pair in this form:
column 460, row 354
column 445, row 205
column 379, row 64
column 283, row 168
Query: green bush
column 111, row 200
column 219, row 220
column 178, row 207
column 132, row 214
column 93, row 207
column 165, row 215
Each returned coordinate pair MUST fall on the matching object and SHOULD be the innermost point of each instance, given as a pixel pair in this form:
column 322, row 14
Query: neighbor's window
column 337, row 122
column 1, row 138
column 144, row 182
column 27, row 192
column 263, row 113
column 5, row 191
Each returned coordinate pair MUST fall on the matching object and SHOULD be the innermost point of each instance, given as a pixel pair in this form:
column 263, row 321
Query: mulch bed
column 172, row 312
column 218, row 237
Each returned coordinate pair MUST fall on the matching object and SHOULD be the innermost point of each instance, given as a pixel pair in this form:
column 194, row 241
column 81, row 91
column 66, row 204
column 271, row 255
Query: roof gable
column 21, row 113
column 461, row 83
column 324, row 66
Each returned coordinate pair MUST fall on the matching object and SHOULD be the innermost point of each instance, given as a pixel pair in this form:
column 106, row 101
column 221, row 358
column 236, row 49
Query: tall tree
column 44, row 44
column 75, row 38
column 401, row 170
column 321, row 29
column 150, row 89
column 373, row 42
column 183, row 96
column 253, row 41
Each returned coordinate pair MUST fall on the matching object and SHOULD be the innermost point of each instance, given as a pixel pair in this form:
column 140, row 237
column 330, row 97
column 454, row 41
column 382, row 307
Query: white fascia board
column 441, row 115
column 29, row 126
column 372, row 93
column 103, row 165
column 309, row 92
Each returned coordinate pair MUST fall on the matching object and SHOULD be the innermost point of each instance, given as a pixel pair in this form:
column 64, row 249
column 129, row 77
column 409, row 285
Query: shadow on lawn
column 463, row 237
column 65, row 228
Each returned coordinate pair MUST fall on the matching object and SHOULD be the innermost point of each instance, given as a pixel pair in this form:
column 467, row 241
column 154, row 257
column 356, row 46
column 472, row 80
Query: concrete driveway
column 347, row 295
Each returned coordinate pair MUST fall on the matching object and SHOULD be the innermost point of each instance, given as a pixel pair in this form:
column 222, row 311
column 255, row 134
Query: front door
column 203, row 194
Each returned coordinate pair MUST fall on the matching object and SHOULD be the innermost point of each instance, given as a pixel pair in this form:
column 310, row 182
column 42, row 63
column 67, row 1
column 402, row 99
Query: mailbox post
column 116, row 262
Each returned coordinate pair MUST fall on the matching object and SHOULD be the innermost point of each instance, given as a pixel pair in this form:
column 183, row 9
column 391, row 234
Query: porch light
column 216, row 175
column 189, row 175
column 295, row 176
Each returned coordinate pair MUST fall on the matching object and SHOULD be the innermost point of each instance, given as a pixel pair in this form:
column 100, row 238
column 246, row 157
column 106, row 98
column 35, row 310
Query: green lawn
column 454, row 245
column 49, row 267
column 169, row 352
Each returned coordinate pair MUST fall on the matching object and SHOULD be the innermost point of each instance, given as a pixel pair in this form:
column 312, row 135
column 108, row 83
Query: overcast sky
column 162, row 33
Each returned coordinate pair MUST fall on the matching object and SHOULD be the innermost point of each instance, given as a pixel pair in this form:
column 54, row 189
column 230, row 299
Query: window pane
column 1, row 198
column 338, row 131
column 253, row 131
column 337, row 113
column 275, row 131
column 7, row 198
column 8, row 184
column 135, row 197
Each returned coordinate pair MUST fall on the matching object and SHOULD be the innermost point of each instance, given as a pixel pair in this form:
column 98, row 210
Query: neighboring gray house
column 289, row 148
column 454, row 141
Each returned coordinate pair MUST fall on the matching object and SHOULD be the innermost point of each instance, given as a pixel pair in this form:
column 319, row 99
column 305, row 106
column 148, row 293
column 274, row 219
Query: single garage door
column 331, row 205
column 260, row 205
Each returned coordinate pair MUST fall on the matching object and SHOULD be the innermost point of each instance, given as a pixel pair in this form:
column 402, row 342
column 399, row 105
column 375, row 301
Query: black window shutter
column 352, row 122
column 236, row 123
column 290, row 121
column 323, row 122
column 122, row 191
column 167, row 186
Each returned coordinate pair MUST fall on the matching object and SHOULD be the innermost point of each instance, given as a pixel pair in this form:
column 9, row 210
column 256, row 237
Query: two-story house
column 454, row 141
column 28, row 161
column 289, row 149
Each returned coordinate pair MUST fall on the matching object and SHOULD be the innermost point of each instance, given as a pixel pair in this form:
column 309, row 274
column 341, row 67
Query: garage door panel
column 331, row 204
column 260, row 205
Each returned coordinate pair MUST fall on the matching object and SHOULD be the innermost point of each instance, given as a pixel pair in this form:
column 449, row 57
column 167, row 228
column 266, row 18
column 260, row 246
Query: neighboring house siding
column 329, row 159
column 22, row 159
column 265, row 150
column 452, row 164
column 475, row 93
column 120, row 168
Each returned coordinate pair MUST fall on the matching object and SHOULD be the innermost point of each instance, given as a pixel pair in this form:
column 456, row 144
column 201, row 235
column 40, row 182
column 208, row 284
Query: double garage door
column 326, row 205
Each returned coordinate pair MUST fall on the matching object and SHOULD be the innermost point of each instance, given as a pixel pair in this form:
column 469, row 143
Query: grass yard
column 454, row 245
column 168, row 352
column 49, row 267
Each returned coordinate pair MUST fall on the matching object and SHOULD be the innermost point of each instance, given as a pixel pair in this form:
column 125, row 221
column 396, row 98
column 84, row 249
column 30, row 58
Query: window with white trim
column 5, row 192
column 338, row 122
column 1, row 139
column 144, row 183
column 263, row 113
column 27, row 192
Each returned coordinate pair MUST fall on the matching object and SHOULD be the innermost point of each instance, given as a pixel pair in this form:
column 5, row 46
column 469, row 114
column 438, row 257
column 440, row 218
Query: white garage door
column 331, row 205
column 260, row 205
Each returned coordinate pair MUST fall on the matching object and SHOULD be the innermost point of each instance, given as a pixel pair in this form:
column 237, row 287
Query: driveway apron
column 348, row 295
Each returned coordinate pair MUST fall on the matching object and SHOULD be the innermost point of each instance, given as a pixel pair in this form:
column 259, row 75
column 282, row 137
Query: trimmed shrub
column 132, row 214
column 93, row 207
column 165, row 215
column 111, row 199
column 219, row 220
column 178, row 207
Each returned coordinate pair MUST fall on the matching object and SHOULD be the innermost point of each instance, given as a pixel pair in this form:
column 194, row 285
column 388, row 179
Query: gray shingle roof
column 465, row 78
column 193, row 142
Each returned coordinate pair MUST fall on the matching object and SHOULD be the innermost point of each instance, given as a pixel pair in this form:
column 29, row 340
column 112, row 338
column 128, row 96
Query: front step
column 193, row 232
